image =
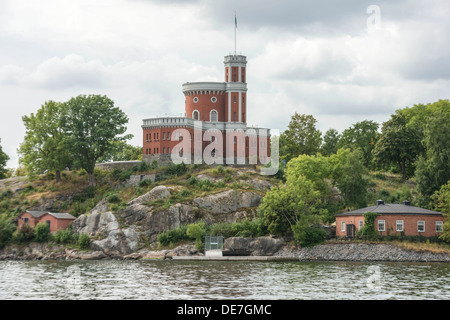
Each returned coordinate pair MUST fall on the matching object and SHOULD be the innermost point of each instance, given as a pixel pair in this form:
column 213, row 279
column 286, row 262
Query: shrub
column 23, row 234
column 42, row 232
column 63, row 236
column 84, row 241
column 145, row 183
column 368, row 231
column 6, row 230
column 197, row 231
column 113, row 198
column 173, row 236
column 312, row 236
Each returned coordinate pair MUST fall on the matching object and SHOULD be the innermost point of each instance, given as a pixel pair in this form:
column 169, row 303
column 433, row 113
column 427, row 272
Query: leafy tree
column 3, row 160
column 291, row 206
column 95, row 126
column 349, row 175
column 6, row 230
column 45, row 146
column 433, row 169
column 330, row 142
column 122, row 151
column 197, row 231
column 314, row 168
column 399, row 144
column 441, row 200
column 363, row 136
column 301, row 137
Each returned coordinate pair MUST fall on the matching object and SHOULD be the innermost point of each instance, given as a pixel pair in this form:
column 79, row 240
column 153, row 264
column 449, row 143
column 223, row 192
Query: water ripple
column 139, row 280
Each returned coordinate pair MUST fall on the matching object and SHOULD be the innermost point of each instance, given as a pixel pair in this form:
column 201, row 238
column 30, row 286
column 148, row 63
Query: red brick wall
column 32, row 221
column 55, row 224
column 409, row 224
column 205, row 105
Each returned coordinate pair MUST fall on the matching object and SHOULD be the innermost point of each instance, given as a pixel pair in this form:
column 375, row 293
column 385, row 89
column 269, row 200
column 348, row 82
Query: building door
column 350, row 230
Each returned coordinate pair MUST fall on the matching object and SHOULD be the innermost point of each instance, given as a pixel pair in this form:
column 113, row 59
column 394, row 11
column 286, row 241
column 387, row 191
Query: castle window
column 213, row 116
column 195, row 115
column 164, row 136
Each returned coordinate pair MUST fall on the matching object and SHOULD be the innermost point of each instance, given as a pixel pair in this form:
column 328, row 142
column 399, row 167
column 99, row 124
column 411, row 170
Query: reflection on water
column 115, row 279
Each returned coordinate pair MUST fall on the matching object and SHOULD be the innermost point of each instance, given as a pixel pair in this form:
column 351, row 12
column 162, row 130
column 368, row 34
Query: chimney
column 406, row 203
column 380, row 202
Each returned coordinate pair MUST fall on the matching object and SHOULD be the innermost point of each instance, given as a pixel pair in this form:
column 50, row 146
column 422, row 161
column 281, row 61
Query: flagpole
column 235, row 27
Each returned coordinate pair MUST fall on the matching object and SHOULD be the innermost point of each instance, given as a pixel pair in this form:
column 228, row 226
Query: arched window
column 195, row 115
column 213, row 116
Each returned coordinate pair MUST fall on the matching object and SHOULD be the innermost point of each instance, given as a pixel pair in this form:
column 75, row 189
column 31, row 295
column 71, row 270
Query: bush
column 6, row 230
column 84, row 241
column 42, row 232
column 23, row 234
column 145, row 183
column 63, row 236
column 312, row 236
column 368, row 231
column 113, row 198
column 173, row 236
column 197, row 231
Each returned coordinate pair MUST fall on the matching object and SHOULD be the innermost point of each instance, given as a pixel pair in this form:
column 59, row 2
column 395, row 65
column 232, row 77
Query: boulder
column 228, row 201
column 159, row 192
column 261, row 246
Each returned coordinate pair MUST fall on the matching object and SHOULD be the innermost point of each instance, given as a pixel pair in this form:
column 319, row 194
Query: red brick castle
column 214, row 125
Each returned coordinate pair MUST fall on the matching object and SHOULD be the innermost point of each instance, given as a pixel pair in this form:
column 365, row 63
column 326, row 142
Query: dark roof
column 391, row 209
column 38, row 214
column 62, row 215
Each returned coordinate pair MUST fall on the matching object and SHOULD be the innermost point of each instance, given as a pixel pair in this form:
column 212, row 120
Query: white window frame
column 210, row 115
column 383, row 223
column 400, row 222
column 361, row 224
column 198, row 113
column 418, row 223
column 441, row 226
column 342, row 226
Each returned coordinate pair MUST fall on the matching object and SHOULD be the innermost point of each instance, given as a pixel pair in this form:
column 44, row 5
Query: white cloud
column 307, row 57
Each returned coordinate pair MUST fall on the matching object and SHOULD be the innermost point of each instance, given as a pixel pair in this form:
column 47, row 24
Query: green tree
column 330, row 142
column 291, row 206
column 301, row 137
column 349, row 175
column 441, row 201
column 3, row 160
column 197, row 231
column 122, row 151
column 314, row 168
column 45, row 146
column 399, row 144
column 433, row 169
column 95, row 126
column 363, row 136
column 6, row 230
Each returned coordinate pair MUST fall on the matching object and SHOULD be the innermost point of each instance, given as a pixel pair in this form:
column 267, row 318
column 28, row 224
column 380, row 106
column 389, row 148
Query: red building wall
column 409, row 224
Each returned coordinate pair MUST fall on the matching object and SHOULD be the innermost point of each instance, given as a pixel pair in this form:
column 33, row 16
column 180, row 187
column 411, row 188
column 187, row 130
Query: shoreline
column 328, row 252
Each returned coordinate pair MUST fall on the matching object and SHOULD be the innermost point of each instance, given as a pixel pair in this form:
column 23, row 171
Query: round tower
column 236, row 88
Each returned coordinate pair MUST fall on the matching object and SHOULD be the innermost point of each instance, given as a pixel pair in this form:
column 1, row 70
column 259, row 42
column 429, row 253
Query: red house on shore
column 392, row 219
column 55, row 221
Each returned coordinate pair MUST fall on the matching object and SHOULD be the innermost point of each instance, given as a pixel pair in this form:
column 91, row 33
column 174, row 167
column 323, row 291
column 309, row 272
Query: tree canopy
column 94, row 127
column 45, row 146
column 3, row 160
column 363, row 136
column 301, row 137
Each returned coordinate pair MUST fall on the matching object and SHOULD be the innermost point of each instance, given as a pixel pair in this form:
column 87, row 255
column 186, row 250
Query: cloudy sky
column 341, row 61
